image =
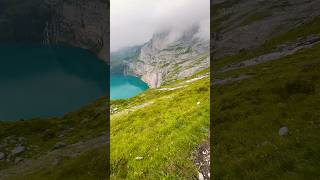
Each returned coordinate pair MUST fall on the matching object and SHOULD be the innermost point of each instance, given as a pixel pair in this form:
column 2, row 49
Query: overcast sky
column 134, row 21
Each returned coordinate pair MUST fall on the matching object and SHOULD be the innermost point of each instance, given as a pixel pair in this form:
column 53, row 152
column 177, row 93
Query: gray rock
column 17, row 150
column 2, row 156
column 59, row 145
column 283, row 131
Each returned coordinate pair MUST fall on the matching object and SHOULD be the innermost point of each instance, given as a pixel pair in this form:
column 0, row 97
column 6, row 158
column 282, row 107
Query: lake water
column 42, row 81
column 123, row 87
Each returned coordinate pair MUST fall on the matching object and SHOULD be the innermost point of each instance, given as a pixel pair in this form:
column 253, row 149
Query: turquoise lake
column 123, row 87
column 41, row 81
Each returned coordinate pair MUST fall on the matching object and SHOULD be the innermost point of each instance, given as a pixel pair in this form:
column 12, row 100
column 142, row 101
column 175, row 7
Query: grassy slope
column 84, row 124
column 164, row 133
column 91, row 165
column 248, row 115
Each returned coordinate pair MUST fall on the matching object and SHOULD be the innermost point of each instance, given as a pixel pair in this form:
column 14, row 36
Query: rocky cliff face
column 22, row 21
column 243, row 25
column 170, row 55
column 80, row 23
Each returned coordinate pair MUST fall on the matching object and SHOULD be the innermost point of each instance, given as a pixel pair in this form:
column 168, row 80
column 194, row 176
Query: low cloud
column 134, row 22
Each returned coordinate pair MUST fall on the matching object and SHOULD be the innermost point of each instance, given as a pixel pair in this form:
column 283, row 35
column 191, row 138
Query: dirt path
column 287, row 50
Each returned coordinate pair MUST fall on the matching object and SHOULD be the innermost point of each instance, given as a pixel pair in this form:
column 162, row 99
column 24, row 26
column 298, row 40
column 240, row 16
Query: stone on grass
column 17, row 150
column 283, row 131
column 139, row 158
column 201, row 177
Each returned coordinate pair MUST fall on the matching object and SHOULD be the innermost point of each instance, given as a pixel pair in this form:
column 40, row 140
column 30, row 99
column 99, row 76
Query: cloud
column 134, row 21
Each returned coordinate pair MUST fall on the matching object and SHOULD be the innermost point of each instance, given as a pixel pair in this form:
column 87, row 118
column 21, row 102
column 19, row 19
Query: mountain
column 78, row 23
column 120, row 59
column 22, row 20
column 169, row 55
column 164, row 131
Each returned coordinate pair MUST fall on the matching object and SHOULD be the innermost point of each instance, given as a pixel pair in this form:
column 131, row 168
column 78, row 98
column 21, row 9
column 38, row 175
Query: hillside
column 56, row 148
column 64, row 147
column 156, row 134
column 266, row 88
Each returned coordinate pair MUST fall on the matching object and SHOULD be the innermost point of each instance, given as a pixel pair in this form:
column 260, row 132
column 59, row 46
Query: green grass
column 247, row 116
column 164, row 133
column 91, row 165
column 255, row 17
column 87, row 123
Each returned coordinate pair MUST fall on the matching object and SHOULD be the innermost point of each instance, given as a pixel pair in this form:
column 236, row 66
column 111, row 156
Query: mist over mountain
column 169, row 55
column 131, row 24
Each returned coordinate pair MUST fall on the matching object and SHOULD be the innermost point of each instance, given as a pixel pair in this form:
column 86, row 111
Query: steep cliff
column 22, row 21
column 171, row 55
column 79, row 23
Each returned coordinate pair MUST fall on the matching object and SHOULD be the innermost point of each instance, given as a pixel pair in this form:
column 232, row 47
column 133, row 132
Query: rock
column 201, row 177
column 17, row 150
column 205, row 152
column 139, row 158
column 283, row 131
column 59, row 145
column 2, row 156
column 18, row 159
